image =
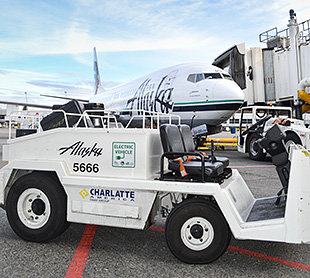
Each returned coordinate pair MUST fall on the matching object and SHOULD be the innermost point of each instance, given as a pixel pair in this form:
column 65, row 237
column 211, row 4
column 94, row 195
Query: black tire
column 36, row 207
column 291, row 138
column 197, row 232
column 254, row 150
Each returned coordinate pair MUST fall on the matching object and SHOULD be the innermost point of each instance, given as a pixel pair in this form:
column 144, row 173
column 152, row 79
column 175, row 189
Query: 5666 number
column 86, row 167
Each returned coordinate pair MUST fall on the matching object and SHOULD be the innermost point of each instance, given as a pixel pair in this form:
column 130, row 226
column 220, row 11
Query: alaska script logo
column 78, row 149
column 158, row 100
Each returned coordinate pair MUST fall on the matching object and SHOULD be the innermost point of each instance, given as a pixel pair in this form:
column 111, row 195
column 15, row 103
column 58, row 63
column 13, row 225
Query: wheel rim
column 33, row 208
column 197, row 233
column 288, row 144
column 253, row 147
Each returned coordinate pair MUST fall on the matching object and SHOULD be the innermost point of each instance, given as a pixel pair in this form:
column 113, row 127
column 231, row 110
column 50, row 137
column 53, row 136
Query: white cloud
column 137, row 25
column 24, row 72
column 156, row 34
column 15, row 83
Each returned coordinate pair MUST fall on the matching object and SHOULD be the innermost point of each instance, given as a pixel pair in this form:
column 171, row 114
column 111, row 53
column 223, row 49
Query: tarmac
column 115, row 252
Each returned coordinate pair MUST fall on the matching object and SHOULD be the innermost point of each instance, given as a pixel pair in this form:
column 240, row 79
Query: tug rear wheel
column 36, row 207
column 197, row 232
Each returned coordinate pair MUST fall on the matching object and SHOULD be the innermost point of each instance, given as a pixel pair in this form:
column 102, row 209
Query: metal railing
column 97, row 119
column 25, row 120
column 275, row 38
column 304, row 31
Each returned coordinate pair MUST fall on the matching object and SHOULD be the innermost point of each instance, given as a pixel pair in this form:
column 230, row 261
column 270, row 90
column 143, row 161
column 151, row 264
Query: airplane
column 201, row 94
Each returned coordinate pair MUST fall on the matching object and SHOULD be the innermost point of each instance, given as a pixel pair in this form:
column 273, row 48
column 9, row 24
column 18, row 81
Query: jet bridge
column 272, row 74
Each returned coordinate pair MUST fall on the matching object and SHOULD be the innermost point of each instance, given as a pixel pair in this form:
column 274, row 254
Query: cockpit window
column 191, row 78
column 212, row 76
column 201, row 76
column 227, row 76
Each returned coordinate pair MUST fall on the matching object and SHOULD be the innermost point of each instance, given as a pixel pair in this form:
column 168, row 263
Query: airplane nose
column 229, row 98
column 228, row 90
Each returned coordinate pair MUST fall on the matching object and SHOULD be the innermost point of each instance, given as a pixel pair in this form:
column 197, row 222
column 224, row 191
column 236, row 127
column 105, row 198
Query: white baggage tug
column 93, row 170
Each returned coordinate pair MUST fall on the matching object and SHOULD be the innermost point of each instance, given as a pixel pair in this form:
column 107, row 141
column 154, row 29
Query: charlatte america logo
column 79, row 149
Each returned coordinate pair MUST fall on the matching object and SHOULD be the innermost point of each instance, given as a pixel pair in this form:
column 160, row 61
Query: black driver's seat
column 190, row 147
column 174, row 150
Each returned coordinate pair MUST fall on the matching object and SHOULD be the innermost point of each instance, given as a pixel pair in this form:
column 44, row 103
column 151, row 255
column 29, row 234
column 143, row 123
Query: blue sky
column 46, row 46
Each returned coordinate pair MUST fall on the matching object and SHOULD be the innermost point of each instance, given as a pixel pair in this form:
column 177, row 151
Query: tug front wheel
column 36, row 207
column 197, row 232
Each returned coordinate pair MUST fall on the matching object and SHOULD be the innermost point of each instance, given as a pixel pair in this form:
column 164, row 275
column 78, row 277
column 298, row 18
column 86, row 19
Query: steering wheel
column 259, row 123
column 260, row 114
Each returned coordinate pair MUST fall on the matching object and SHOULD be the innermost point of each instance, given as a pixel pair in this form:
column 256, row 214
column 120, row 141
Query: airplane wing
column 66, row 98
column 44, row 106
column 27, row 104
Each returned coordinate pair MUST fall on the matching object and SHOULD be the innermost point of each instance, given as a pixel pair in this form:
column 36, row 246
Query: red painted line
column 157, row 229
column 77, row 265
column 269, row 258
column 255, row 254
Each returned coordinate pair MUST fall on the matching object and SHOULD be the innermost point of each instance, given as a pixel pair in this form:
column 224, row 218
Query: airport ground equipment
column 121, row 177
column 256, row 120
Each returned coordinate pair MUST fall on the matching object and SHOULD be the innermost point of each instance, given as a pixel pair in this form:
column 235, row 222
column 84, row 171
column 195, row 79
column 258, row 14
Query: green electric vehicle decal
column 124, row 154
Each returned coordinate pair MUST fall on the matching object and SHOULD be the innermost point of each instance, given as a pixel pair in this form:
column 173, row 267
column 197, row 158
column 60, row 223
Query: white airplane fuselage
column 197, row 90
